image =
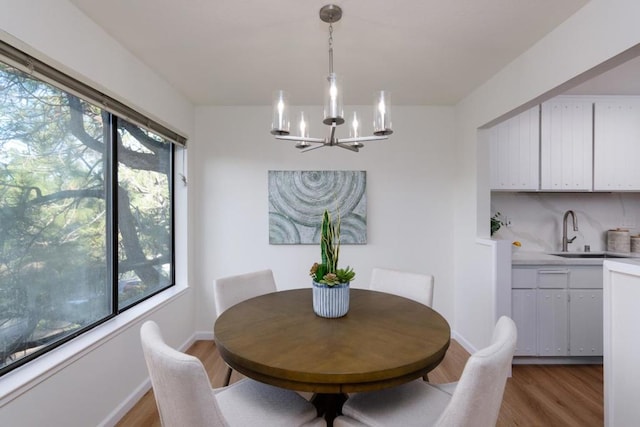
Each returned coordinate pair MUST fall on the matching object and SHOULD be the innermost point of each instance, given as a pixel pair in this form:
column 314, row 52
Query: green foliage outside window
column 56, row 220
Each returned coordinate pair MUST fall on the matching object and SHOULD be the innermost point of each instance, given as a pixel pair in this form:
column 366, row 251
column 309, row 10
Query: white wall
column 535, row 219
column 409, row 199
column 91, row 388
column 597, row 32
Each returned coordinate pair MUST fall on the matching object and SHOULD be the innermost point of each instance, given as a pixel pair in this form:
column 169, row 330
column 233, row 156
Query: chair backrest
column 229, row 291
column 418, row 287
column 477, row 398
column 181, row 386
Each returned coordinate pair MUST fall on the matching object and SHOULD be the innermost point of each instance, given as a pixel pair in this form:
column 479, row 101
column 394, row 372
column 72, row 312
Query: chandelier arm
column 360, row 139
column 300, row 139
column 347, row 147
column 315, row 147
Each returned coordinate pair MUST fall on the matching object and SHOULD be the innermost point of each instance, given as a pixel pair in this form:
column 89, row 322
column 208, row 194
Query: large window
column 86, row 216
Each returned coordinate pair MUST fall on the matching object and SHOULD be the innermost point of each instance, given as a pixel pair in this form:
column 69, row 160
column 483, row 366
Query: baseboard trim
column 126, row 405
column 121, row 410
column 463, row 342
column 203, row 336
column 557, row 360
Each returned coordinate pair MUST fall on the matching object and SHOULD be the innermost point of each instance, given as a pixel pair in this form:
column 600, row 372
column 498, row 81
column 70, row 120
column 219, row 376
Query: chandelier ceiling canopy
column 333, row 109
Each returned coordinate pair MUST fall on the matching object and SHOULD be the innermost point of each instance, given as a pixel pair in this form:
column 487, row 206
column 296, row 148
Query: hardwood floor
column 536, row 395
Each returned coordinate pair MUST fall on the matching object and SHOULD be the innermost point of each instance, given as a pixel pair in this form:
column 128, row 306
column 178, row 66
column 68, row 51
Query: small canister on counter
column 618, row 240
column 635, row 243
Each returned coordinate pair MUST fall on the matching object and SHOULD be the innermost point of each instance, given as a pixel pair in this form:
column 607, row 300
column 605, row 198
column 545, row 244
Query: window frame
column 8, row 55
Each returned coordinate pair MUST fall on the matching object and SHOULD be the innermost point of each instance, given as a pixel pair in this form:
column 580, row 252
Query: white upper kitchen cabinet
column 515, row 152
column 566, row 144
column 617, row 144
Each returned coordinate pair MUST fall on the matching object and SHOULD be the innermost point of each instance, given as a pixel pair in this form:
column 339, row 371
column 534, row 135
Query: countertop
column 520, row 257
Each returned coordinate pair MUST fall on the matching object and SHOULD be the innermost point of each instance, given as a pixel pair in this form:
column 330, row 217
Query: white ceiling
column 237, row 52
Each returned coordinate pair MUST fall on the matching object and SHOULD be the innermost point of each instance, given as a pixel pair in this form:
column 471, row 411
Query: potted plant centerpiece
column 330, row 283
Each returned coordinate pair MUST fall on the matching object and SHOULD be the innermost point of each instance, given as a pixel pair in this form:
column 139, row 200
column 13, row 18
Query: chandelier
column 333, row 108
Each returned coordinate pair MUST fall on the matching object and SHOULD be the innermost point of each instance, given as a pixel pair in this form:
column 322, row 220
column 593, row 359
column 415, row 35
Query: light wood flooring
column 536, row 395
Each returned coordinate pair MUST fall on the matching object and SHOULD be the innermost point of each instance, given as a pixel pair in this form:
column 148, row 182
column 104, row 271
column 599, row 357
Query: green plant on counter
column 497, row 222
column 327, row 272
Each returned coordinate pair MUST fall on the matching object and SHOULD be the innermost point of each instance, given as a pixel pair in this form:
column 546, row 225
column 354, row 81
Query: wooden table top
column 384, row 340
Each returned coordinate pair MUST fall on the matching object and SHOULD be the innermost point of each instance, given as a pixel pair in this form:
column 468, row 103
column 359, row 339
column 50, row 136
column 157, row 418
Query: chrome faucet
column 565, row 240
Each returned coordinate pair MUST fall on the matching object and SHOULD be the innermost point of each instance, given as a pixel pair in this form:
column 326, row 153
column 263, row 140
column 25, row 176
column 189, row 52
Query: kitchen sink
column 587, row 255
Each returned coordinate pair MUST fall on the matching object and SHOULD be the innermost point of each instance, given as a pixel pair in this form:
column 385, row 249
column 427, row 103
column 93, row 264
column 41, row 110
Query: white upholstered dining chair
column 229, row 291
column 184, row 395
column 474, row 401
column 414, row 286
column 418, row 287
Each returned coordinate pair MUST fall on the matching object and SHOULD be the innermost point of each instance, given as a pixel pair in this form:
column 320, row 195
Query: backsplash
column 535, row 219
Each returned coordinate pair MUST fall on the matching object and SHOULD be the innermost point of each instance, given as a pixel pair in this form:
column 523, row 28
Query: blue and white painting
column 297, row 200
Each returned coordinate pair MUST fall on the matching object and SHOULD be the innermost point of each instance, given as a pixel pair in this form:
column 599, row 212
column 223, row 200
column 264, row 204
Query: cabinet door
column 523, row 312
column 566, row 152
column 617, row 144
column 515, row 151
column 585, row 322
column 552, row 322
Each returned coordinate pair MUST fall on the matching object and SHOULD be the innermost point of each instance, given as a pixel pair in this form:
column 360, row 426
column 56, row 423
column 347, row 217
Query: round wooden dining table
column 384, row 340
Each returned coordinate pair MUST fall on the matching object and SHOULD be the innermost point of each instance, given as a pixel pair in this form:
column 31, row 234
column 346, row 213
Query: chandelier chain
column 330, row 36
column 330, row 48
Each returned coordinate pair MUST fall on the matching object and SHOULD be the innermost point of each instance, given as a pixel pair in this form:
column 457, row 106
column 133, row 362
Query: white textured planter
column 330, row 301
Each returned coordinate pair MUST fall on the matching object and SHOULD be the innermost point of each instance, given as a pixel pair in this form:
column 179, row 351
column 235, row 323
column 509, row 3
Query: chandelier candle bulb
column 354, row 131
column 280, row 122
column 382, row 113
column 333, row 108
column 303, row 127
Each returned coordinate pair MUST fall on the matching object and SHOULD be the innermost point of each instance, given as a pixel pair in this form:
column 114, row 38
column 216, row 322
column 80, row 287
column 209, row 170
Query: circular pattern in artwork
column 281, row 229
column 297, row 199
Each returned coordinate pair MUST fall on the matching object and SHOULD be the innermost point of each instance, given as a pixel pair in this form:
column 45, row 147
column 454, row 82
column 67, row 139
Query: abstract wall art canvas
column 297, row 200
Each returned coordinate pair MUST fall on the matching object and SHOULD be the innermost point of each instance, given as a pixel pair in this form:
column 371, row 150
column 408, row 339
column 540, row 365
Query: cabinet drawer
column 545, row 278
column 586, row 277
column 556, row 278
column 524, row 278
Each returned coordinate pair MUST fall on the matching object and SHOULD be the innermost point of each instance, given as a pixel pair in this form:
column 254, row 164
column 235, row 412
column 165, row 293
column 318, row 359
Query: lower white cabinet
column 553, row 339
column 585, row 322
column 558, row 310
column 522, row 311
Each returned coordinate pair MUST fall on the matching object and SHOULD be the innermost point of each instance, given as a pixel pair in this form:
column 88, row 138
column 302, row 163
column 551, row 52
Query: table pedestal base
column 329, row 404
